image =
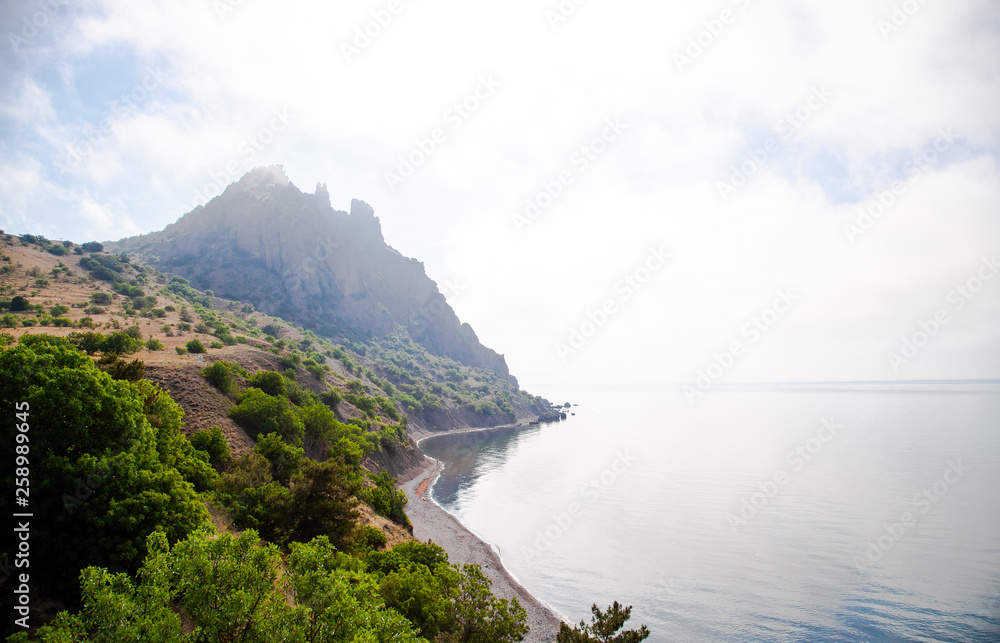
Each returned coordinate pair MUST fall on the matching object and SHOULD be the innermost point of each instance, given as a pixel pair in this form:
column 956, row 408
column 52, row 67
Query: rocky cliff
column 291, row 254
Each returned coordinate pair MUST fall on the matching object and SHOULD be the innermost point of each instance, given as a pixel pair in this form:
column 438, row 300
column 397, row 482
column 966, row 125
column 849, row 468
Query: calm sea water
column 862, row 512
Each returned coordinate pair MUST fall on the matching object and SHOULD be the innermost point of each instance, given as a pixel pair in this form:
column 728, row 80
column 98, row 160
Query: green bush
column 212, row 442
column 222, row 375
column 181, row 350
column 386, row 499
column 19, row 303
column 100, row 298
column 121, row 343
column 59, row 310
column 153, row 344
column 259, row 413
column 195, row 346
column 216, row 345
column 271, row 382
column 96, row 467
column 371, row 537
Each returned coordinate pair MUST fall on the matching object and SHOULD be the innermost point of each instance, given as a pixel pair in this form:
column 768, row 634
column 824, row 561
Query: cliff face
column 291, row 254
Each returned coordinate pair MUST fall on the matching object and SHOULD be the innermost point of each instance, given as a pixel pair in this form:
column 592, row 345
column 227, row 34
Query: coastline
column 433, row 522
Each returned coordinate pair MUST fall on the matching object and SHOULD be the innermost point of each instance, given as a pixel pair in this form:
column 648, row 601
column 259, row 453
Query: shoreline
column 432, row 522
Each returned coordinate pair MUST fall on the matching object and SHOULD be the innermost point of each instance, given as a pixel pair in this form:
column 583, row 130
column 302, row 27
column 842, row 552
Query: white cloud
column 224, row 76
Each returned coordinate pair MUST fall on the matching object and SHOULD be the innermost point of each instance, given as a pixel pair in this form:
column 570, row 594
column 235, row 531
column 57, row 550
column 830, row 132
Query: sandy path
column 434, row 523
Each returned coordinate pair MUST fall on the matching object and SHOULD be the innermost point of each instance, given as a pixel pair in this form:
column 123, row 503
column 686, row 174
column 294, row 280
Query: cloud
column 225, row 72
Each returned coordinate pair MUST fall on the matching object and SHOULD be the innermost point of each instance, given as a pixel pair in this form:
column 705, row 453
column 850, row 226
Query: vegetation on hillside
column 397, row 376
column 172, row 538
column 110, row 466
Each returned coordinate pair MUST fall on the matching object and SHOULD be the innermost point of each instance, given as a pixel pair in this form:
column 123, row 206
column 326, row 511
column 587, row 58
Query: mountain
column 291, row 254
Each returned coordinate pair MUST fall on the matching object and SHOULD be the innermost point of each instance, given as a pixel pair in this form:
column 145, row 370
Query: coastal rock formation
column 291, row 254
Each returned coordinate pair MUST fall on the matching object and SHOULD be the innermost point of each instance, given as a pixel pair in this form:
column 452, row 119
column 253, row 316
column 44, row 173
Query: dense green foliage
column 108, row 464
column 213, row 443
column 235, row 589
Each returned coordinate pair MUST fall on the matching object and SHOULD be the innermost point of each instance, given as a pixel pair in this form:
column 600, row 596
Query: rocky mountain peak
column 291, row 254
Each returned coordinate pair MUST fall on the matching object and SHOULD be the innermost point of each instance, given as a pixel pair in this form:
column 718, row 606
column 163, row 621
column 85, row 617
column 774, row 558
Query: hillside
column 65, row 293
column 290, row 254
column 304, row 428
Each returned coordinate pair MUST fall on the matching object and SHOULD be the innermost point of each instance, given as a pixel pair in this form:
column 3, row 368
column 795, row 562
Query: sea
column 830, row 512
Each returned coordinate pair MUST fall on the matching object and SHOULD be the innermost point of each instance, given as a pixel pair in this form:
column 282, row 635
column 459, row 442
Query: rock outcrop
column 291, row 254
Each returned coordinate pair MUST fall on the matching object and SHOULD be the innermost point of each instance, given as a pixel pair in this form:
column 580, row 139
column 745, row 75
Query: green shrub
column 271, row 382
column 59, row 310
column 62, row 322
column 153, row 344
column 212, row 442
column 100, row 298
column 259, row 413
column 181, row 350
column 216, row 345
column 222, row 375
column 370, row 537
column 195, row 346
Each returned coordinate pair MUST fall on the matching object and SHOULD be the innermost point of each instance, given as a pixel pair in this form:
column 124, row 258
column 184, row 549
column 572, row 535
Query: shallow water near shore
column 851, row 512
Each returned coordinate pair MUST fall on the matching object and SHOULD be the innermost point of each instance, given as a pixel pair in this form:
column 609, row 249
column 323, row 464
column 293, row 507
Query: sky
column 610, row 193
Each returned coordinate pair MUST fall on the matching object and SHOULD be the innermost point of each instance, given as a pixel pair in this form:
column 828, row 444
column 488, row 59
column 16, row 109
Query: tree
column 95, row 469
column 19, row 303
column 195, row 346
column 337, row 601
column 120, row 343
column 214, row 443
column 222, row 375
column 259, row 413
column 100, row 298
column 481, row 617
column 603, row 627
column 271, row 382
column 285, row 459
column 324, row 501
column 93, row 246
